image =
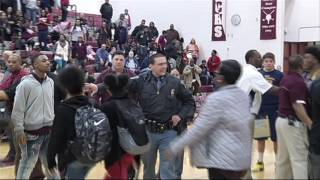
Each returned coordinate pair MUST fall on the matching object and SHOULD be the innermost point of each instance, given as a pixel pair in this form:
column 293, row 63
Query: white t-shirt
column 132, row 65
column 77, row 32
column 252, row 80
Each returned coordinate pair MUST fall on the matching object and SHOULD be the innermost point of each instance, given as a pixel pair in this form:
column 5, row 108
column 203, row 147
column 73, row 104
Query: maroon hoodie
column 79, row 51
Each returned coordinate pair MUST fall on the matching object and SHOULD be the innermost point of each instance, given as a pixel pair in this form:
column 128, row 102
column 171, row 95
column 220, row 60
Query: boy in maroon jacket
column 79, row 52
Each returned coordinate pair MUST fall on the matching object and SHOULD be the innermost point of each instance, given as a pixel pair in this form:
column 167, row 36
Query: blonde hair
column 8, row 53
column 316, row 75
column 15, row 55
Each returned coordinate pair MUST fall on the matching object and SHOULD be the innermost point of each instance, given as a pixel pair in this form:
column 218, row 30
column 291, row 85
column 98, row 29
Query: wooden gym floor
column 189, row 172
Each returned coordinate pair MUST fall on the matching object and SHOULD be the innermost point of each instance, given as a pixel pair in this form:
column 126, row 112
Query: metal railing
column 73, row 8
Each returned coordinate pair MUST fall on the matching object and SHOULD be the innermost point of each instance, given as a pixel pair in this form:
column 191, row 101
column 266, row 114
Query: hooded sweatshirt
column 63, row 131
column 33, row 107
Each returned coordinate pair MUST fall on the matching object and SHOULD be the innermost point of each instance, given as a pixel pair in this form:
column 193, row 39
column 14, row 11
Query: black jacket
column 154, row 32
column 63, row 131
column 106, row 11
column 5, row 32
column 137, row 29
column 172, row 98
column 110, row 109
column 143, row 38
column 59, row 93
column 315, row 130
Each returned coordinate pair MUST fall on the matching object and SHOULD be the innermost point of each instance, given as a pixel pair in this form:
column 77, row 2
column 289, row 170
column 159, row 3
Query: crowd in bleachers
column 89, row 40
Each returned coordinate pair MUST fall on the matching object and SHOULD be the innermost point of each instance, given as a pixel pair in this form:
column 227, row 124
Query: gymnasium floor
column 189, row 172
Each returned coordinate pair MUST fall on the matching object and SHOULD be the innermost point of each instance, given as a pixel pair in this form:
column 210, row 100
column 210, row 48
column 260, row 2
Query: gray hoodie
column 33, row 104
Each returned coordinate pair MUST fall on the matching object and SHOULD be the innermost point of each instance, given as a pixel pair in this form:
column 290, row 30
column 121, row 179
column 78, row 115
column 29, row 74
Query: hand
column 21, row 138
column 90, row 88
column 175, row 120
column 310, row 125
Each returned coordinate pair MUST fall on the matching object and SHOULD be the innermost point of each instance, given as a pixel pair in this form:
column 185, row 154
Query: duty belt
column 157, row 127
column 290, row 117
column 292, row 120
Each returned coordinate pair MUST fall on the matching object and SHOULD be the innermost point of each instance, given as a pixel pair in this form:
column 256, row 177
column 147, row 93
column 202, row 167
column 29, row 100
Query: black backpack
column 93, row 135
column 133, row 136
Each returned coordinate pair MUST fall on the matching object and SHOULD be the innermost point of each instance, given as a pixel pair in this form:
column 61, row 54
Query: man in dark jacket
column 143, row 37
column 138, row 28
column 167, row 105
column 106, row 11
column 172, row 34
column 311, row 64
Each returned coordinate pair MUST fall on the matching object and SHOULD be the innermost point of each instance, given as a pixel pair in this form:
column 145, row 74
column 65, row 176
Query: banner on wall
column 218, row 20
column 268, row 19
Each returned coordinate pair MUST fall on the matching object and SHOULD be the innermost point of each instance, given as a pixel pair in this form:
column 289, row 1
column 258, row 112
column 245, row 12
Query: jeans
column 43, row 39
column 36, row 146
column 61, row 64
column 11, row 154
column 98, row 67
column 179, row 164
column 159, row 141
column 314, row 166
column 31, row 14
column 77, row 170
column 80, row 63
column 142, row 52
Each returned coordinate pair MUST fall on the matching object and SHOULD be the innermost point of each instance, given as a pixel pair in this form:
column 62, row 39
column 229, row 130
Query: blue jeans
column 98, row 67
column 43, row 39
column 77, row 170
column 179, row 164
column 61, row 63
column 36, row 147
column 31, row 14
column 80, row 63
column 314, row 166
column 159, row 141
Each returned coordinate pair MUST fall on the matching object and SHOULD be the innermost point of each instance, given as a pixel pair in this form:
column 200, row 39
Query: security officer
column 167, row 105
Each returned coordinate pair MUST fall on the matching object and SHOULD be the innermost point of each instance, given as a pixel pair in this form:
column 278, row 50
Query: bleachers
column 25, row 54
column 93, row 20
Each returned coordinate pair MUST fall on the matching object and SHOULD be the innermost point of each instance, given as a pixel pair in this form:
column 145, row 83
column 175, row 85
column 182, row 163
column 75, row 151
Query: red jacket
column 213, row 63
column 65, row 2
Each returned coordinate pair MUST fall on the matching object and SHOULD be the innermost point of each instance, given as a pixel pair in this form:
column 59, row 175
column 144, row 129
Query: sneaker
column 259, row 167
